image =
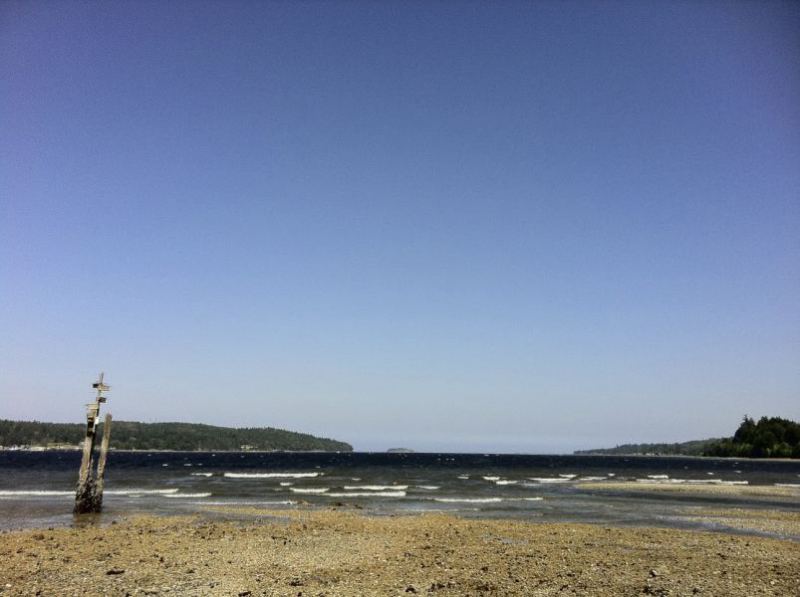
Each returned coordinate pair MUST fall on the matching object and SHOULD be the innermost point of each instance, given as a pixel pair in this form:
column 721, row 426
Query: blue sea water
column 37, row 488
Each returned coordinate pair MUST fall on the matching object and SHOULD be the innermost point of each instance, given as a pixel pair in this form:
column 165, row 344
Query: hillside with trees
column 768, row 438
column 130, row 435
column 690, row 448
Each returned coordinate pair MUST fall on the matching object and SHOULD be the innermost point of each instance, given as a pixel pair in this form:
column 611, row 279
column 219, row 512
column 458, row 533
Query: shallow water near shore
column 36, row 488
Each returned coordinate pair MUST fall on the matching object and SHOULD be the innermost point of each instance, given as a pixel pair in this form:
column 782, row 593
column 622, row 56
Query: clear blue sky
column 470, row 226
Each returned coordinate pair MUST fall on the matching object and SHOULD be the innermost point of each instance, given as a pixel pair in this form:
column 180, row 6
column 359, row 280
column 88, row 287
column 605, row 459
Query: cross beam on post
column 89, row 494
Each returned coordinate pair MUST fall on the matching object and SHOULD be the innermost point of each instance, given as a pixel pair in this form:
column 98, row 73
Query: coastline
column 250, row 552
column 78, row 448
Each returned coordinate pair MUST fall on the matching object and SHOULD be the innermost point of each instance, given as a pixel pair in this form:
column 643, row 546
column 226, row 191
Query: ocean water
column 37, row 488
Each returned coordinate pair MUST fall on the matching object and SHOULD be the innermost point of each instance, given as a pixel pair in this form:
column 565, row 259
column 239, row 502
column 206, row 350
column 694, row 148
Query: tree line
column 769, row 437
column 131, row 435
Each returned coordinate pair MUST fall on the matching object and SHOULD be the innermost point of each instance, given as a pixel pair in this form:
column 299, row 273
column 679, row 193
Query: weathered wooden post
column 89, row 495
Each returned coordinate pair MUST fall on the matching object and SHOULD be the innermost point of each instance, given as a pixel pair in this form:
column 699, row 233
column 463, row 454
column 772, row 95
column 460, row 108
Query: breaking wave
column 457, row 500
column 376, row 487
column 309, row 490
column 271, row 475
column 34, row 493
column 368, row 494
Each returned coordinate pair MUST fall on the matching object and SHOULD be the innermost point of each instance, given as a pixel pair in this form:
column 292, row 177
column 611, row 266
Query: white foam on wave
column 505, row 482
column 368, row 494
column 568, row 475
column 271, row 475
column 463, row 476
column 794, row 485
column 491, row 478
column 137, row 491
column 428, row 487
column 459, row 500
column 524, row 499
column 658, row 477
column 34, row 493
column 592, row 478
column 286, row 483
column 309, row 490
column 550, row 479
column 668, row 481
column 188, row 495
column 715, row 482
column 376, row 487
column 202, row 474
column 245, row 503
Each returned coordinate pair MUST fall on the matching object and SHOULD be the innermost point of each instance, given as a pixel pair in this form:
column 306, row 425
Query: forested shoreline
column 132, row 435
column 769, row 437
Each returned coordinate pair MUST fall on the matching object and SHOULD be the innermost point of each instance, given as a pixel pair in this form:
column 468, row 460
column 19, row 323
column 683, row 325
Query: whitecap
column 658, row 476
column 505, row 482
column 550, row 479
column 368, row 494
column 568, row 475
column 34, row 493
column 311, row 490
column 491, row 478
column 489, row 500
column 286, row 483
column 463, row 476
column 140, row 491
column 592, row 478
column 428, row 487
column 376, row 487
column 794, row 485
column 202, row 474
column 188, row 495
column 245, row 503
column 271, row 475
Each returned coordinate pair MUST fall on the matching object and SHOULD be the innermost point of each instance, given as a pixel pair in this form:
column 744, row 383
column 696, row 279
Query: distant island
column 770, row 437
column 131, row 435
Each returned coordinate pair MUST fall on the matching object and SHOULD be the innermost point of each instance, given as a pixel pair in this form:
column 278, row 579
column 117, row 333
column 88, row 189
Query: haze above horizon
column 523, row 227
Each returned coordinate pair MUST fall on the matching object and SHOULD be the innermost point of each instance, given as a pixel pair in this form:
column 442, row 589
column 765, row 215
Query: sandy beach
column 343, row 552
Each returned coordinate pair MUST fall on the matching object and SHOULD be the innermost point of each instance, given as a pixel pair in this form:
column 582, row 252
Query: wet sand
column 343, row 552
column 707, row 488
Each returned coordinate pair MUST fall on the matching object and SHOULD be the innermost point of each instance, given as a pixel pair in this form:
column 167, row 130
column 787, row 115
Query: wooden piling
column 89, row 494
column 101, row 464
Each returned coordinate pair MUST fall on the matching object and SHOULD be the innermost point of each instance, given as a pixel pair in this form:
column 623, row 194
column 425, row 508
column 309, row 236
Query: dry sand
column 310, row 552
